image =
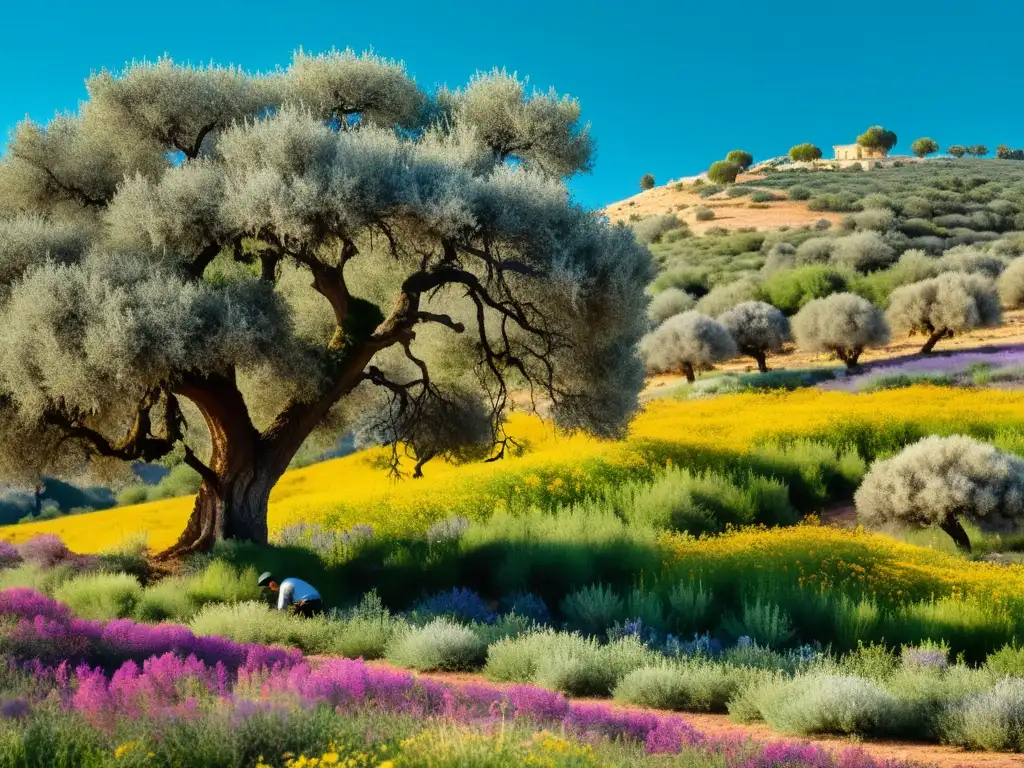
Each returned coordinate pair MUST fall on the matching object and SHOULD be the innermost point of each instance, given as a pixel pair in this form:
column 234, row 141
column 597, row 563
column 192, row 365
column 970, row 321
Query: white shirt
column 295, row 591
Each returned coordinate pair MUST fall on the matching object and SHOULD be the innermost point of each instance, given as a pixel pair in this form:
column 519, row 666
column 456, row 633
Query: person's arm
column 284, row 596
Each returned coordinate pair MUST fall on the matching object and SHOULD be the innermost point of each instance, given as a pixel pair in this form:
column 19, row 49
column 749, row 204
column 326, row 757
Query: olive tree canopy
column 757, row 328
column 220, row 263
column 941, row 306
column 685, row 342
column 942, row 480
column 843, row 323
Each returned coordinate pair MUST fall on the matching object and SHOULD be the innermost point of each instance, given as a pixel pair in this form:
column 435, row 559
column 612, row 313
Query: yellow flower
column 124, row 749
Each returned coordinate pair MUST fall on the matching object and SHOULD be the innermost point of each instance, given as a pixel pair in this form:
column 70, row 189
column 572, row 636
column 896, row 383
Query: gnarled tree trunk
column 688, row 372
column 935, row 338
column 951, row 526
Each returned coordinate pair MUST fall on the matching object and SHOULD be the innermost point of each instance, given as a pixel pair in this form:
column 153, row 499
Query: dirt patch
column 731, row 213
column 720, row 725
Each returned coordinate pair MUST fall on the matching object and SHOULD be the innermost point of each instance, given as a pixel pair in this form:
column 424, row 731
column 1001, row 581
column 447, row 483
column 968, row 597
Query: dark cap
column 265, row 578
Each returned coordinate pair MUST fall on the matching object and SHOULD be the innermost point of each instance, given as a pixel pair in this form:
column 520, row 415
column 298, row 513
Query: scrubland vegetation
column 748, row 544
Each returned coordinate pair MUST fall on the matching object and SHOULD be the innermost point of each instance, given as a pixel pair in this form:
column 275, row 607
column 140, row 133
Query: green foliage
column 877, row 137
column 740, row 158
column 957, row 150
column 220, row 582
column 791, row 289
column 593, row 609
column 977, row 150
column 764, row 623
column 842, row 202
column 804, row 153
column 799, row 193
column 647, row 181
column 924, row 146
column 763, row 196
column 703, row 214
column 723, row 172
column 442, row 645
column 100, row 595
column 696, row 686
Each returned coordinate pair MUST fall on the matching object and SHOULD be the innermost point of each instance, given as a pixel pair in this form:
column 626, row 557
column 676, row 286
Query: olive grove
column 219, row 264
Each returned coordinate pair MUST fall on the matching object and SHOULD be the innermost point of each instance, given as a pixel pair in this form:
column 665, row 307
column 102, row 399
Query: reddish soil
column 720, row 725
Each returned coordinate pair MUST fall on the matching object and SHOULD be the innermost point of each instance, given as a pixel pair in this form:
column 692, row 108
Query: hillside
column 730, row 213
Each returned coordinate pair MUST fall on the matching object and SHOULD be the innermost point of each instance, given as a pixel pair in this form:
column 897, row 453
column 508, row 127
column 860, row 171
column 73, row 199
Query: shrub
column 693, row 280
column 221, row 583
column 816, row 250
column 791, row 289
column 839, row 203
column 593, row 609
column 255, row 622
column 32, row 576
column 765, row 624
column 924, row 146
column 964, row 258
column 977, row 150
column 668, row 303
column 652, row 229
column 780, row 256
column 743, row 159
column 841, row 323
column 685, row 342
column 863, row 251
column 956, row 150
column 723, row 172
column 940, row 480
column 647, row 181
column 951, row 303
column 804, row 153
column 757, row 328
column 703, row 214
column 164, row 600
column 827, row 703
column 442, row 645
column 799, row 193
column 133, row 494
column 527, row 605
column 992, row 719
column 822, row 224
column 696, row 686
column 100, row 595
column 762, row 196
column 873, row 220
column 690, row 606
column 1011, row 284
column 724, row 297
column 1008, row 661
column 459, row 604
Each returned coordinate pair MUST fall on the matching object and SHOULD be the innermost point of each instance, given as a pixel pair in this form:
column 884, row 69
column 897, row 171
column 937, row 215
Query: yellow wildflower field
column 355, row 489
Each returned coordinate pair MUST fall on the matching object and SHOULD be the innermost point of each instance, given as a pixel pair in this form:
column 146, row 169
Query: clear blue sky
column 668, row 86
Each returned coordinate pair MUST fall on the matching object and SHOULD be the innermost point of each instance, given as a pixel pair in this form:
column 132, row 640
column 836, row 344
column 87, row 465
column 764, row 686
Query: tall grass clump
column 593, row 609
column 699, row 685
column 992, row 719
column 100, row 595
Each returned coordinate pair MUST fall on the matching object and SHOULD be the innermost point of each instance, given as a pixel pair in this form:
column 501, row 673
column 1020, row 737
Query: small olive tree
column 957, row 150
column 941, row 306
column 939, row 481
column 924, row 146
column 647, row 181
column 724, row 297
column 671, row 301
column 757, row 328
column 804, row 153
column 1011, row 284
column 877, row 137
column 977, row 150
column 685, row 342
column 843, row 323
column 743, row 159
column 723, row 172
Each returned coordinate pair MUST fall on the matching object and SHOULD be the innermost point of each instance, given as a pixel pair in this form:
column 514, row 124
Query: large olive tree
column 942, row 306
column 218, row 264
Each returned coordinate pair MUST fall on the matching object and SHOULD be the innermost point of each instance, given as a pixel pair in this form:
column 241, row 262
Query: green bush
column 799, row 193
column 442, row 645
column 167, row 599
column 843, row 202
column 593, row 609
column 703, row 214
column 763, row 196
column 32, row 576
column 764, row 623
column 992, row 719
column 220, row 582
column 689, row 607
column 816, row 703
column 100, row 595
column 723, row 172
column 695, row 686
column 791, row 289
column 254, row 622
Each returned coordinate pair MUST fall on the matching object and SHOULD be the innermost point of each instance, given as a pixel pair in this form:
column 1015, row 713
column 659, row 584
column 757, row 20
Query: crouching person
column 294, row 595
